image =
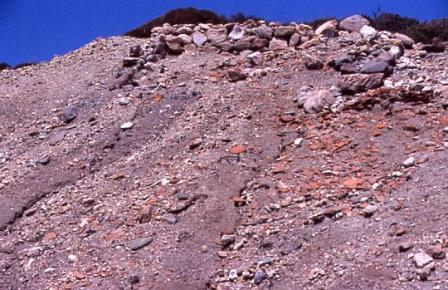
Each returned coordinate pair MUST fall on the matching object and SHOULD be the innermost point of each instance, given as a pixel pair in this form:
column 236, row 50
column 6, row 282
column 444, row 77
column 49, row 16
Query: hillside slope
column 254, row 156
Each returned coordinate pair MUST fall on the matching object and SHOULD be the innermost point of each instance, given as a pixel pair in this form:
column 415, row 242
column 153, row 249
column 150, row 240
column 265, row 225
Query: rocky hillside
column 236, row 156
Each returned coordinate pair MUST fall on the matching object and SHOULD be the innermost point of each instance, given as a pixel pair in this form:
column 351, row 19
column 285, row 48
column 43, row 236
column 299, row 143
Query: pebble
column 233, row 274
column 437, row 251
column 409, row 162
column 69, row 115
column 227, row 240
column 405, row 246
column 127, row 126
column 140, row 243
column 170, row 218
column 123, row 101
column 259, row 276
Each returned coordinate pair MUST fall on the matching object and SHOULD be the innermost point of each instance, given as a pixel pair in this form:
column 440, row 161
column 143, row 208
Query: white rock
column 127, row 126
column 237, row 33
column 368, row 32
column 422, row 259
column 409, row 162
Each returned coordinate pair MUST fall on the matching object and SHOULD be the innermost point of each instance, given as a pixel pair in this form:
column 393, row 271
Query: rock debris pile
column 237, row 156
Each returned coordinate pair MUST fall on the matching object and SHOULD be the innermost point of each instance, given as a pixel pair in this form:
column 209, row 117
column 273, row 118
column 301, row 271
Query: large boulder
column 353, row 23
column 358, row 83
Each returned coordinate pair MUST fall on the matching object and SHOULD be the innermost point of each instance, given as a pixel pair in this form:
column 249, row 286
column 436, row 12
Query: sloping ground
column 185, row 180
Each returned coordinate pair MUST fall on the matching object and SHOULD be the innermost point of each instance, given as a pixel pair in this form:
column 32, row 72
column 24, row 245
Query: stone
column 127, row 126
column 278, row 44
column 227, row 240
column 353, row 23
column 69, row 115
column 375, row 66
column 259, row 276
column 437, row 251
column 348, row 68
column 140, row 243
column 199, row 38
column 295, row 40
column 45, row 160
column 225, row 46
column 170, row 218
column 422, row 259
column 184, row 30
column 237, row 33
column 315, row 101
column 289, row 246
column 217, row 35
column 313, row 63
column 368, row 32
column 423, row 274
column 264, row 32
column 185, row 39
column 409, row 162
column 327, row 29
column 233, row 275
column 174, row 45
column 182, row 195
column 130, row 61
column 406, row 40
column 255, row 58
column 284, row 31
column 405, row 246
column 135, row 51
column 236, row 75
column 358, row 83
column 259, row 43
column 243, row 44
column 145, row 215
column 369, row 210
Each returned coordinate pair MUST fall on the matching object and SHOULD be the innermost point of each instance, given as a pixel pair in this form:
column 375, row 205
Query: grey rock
column 237, row 33
column 375, row 66
column 140, row 243
column 199, row 38
column 284, row 31
column 354, row 23
column 295, row 40
column 259, row 43
column 259, row 276
column 185, row 39
column 44, row 160
column 264, row 32
column 174, row 45
column 423, row 274
column 289, row 246
column 170, row 218
column 255, row 58
column 181, row 195
column 227, row 240
column 184, row 30
column 243, row 44
column 409, row 162
column 135, row 51
column 313, row 63
column 127, row 126
column 406, row 40
column 69, row 115
column 358, row 83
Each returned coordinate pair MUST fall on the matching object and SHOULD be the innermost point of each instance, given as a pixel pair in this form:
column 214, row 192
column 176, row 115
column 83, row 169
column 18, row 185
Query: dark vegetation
column 4, row 65
column 186, row 16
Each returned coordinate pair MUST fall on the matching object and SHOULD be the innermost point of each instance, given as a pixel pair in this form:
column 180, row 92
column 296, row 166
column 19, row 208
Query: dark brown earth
column 222, row 176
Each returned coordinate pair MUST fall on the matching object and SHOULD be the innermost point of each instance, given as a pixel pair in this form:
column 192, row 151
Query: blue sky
column 35, row 30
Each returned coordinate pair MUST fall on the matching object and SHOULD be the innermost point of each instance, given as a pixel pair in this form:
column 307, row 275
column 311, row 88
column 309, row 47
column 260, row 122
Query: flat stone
column 315, row 101
column 375, row 66
column 358, row 83
column 278, row 44
column 406, row 40
column 328, row 29
column 140, row 243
